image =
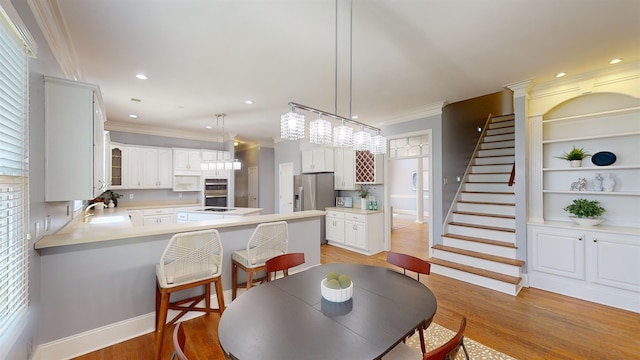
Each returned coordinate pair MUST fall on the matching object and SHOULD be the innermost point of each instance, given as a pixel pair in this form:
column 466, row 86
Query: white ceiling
column 207, row 57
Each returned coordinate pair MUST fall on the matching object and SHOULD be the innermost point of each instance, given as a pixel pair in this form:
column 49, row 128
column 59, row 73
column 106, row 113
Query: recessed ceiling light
column 615, row 61
column 248, row 102
column 133, row 116
column 141, row 76
column 560, row 74
column 354, row 117
column 209, row 127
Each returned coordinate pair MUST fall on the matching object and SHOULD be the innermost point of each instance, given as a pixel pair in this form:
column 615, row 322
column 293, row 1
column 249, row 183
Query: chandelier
column 220, row 163
column 292, row 124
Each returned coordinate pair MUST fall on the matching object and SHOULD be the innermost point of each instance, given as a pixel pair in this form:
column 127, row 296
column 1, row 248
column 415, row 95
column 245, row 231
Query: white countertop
column 241, row 211
column 78, row 232
column 353, row 210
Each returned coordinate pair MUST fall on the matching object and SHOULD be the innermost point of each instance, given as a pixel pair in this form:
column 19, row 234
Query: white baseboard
column 95, row 339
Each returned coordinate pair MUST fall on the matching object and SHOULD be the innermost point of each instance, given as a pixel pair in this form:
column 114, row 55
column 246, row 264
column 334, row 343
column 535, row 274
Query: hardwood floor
column 534, row 325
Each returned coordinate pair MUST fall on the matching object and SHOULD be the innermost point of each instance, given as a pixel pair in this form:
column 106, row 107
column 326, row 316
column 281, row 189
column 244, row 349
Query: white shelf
column 604, row 193
column 602, row 228
column 592, row 137
column 594, row 168
column 594, row 115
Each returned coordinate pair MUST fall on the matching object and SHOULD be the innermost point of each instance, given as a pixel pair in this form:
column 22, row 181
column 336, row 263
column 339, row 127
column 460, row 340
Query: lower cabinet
column 357, row 230
column 594, row 265
column 136, row 217
column 157, row 216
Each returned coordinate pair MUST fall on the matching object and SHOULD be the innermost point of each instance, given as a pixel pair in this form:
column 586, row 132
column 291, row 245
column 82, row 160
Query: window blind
column 14, row 196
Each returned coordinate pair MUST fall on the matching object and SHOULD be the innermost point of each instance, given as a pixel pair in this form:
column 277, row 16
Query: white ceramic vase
column 608, row 183
column 364, row 204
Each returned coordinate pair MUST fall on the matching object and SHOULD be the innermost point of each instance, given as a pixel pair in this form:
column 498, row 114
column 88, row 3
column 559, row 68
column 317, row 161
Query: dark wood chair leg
column 162, row 319
column 234, row 280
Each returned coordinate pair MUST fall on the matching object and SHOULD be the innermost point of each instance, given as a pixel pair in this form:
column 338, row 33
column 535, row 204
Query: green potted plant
column 574, row 156
column 364, row 194
column 111, row 195
column 586, row 212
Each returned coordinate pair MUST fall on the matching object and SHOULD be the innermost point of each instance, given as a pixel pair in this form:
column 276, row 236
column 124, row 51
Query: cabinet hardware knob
column 595, row 240
column 580, row 238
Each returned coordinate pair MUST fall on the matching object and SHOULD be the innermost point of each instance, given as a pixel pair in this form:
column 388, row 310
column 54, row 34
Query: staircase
column 479, row 244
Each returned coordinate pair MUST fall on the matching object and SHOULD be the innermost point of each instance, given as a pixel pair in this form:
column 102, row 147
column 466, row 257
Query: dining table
column 289, row 319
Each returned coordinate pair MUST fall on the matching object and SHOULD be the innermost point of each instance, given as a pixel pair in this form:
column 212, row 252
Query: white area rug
column 436, row 335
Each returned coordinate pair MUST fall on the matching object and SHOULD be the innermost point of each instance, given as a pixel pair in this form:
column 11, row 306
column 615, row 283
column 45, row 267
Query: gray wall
column 263, row 158
column 459, row 135
column 400, row 184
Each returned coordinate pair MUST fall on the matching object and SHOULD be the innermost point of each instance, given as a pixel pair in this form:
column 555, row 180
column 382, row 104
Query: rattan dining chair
column 283, row 263
column 419, row 266
column 179, row 340
column 268, row 240
column 191, row 259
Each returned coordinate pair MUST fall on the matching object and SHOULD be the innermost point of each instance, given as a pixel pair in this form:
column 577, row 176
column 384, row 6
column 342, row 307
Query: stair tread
column 481, row 240
column 492, row 156
column 491, row 173
column 495, row 141
column 479, row 255
column 486, row 203
column 473, row 270
column 455, row 223
column 484, row 214
column 502, row 118
column 499, row 148
column 486, row 182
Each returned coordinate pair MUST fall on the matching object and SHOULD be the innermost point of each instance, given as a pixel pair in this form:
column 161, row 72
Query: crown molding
column 51, row 22
column 415, row 114
column 18, row 27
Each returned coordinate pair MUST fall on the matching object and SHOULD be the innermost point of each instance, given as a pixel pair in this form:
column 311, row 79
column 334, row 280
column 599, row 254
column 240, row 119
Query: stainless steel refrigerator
column 314, row 192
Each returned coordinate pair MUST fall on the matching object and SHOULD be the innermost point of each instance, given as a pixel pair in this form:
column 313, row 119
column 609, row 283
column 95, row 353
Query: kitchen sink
column 106, row 220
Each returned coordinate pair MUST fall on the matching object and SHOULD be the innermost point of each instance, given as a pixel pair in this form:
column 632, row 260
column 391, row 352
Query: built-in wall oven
column 215, row 192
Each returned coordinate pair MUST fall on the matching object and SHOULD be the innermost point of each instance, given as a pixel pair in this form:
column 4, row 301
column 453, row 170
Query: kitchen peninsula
column 106, row 270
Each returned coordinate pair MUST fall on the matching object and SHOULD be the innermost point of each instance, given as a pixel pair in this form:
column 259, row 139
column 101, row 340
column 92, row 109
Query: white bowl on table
column 335, row 295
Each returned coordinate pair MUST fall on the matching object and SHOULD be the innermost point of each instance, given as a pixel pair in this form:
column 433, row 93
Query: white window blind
column 14, row 196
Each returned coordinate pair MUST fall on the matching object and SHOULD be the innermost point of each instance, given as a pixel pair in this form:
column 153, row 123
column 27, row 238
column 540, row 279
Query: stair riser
column 497, row 152
column 504, row 188
column 489, row 177
column 500, row 286
column 498, row 137
column 478, row 263
column 480, row 247
column 498, row 131
column 497, row 144
column 501, row 124
column 487, row 209
column 482, row 233
column 494, row 160
column 484, row 220
column 490, row 198
column 506, row 168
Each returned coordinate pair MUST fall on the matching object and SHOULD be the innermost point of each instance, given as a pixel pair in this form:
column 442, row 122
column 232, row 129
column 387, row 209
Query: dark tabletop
column 289, row 319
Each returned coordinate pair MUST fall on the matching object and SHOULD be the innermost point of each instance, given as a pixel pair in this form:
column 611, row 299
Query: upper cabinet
column 74, row 141
column 117, row 166
column 317, row 160
column 369, row 168
column 187, row 160
column 157, row 172
column 212, row 166
column 345, row 169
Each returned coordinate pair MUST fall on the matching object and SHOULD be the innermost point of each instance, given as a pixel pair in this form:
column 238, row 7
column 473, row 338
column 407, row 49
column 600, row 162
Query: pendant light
column 320, row 131
column 292, row 125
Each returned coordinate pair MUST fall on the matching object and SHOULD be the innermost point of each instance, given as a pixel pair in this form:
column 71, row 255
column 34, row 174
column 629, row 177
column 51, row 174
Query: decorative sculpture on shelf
column 608, row 183
column 596, row 184
column 580, row 185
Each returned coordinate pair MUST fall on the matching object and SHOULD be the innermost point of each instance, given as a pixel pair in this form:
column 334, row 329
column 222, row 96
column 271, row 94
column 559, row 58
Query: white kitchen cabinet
column 334, row 226
column 318, row 160
column 157, row 172
column 133, row 175
column 74, row 141
column 136, row 217
column 345, row 169
column 587, row 263
column 362, row 230
column 116, row 166
column 158, row 216
column 369, row 168
column 187, row 160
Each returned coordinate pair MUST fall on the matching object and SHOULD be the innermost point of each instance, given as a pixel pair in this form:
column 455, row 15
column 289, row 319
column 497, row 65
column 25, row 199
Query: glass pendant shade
column 378, row 144
column 343, row 136
column 237, row 165
column 292, row 125
column 362, row 141
column 320, row 131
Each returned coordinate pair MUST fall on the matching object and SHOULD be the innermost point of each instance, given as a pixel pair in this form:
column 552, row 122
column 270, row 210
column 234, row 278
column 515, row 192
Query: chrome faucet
column 86, row 211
